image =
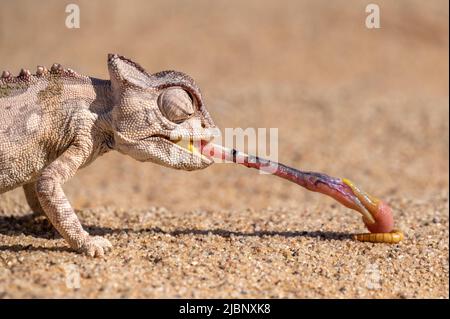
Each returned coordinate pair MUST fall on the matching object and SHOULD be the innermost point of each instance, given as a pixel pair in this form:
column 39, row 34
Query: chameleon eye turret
column 176, row 104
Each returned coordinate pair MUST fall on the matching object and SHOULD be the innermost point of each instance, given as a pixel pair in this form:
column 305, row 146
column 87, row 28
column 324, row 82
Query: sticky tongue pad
column 384, row 221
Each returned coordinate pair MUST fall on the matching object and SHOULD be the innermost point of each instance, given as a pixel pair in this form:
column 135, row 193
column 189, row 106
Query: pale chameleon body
column 55, row 122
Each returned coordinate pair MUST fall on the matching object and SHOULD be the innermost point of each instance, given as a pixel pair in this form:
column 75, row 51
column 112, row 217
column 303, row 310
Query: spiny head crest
column 6, row 74
column 41, row 71
column 56, row 68
column 25, row 74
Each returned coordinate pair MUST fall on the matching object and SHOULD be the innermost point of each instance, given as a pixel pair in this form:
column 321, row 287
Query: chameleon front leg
column 57, row 207
column 32, row 199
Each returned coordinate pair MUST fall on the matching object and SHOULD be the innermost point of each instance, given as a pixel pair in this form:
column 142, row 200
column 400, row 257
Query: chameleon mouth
column 193, row 147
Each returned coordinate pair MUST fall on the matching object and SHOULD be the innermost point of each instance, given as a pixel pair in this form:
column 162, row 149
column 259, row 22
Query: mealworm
column 394, row 237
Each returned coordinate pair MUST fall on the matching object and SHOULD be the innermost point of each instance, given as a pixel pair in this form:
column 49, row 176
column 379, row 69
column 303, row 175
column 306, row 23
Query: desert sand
column 371, row 105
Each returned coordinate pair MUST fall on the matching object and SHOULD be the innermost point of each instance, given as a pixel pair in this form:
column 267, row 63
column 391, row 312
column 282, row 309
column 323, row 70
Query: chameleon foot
column 95, row 246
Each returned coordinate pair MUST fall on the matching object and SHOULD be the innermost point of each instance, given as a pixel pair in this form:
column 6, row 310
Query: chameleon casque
column 56, row 121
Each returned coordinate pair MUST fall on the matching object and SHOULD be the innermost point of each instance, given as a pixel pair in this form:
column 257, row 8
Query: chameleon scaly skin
column 56, row 121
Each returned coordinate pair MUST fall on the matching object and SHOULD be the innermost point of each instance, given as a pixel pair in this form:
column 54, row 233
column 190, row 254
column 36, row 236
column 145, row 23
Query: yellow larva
column 393, row 237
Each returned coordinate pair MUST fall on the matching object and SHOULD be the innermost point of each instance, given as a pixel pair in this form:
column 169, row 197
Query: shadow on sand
column 40, row 227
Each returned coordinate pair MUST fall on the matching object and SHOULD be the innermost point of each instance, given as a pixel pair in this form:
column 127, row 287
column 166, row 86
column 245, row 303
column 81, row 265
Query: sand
column 369, row 105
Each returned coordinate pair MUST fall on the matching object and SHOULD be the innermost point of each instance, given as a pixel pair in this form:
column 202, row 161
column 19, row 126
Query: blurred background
column 371, row 105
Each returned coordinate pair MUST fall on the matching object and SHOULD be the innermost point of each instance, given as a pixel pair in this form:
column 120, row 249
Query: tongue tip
column 384, row 221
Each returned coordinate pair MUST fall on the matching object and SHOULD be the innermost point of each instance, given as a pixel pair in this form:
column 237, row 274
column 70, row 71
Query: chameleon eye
column 176, row 104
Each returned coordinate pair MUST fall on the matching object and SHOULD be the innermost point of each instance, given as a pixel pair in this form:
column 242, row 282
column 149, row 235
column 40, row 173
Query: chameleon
column 55, row 122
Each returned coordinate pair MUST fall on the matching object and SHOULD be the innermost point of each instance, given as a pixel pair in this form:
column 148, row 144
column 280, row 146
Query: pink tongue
column 384, row 222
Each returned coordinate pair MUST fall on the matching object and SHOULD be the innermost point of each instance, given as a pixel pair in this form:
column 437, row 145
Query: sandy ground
column 370, row 105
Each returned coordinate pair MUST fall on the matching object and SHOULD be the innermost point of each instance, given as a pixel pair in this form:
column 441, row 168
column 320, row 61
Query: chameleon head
column 158, row 117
